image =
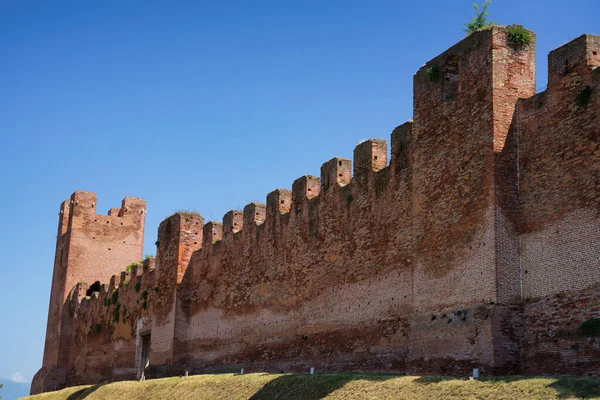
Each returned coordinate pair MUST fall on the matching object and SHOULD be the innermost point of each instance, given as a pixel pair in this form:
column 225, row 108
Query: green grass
column 334, row 386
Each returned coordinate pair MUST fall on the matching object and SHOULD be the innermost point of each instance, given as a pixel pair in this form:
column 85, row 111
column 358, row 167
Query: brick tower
column 89, row 248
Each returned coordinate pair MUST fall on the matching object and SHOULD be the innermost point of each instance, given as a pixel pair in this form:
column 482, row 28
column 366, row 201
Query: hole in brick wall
column 374, row 157
column 256, row 213
column 123, row 241
column 595, row 53
column 235, row 224
column 195, row 242
column 340, row 163
column 339, row 174
column 121, row 223
column 214, row 233
column 109, row 249
column 108, row 222
column 95, row 220
column 309, row 189
column 282, row 201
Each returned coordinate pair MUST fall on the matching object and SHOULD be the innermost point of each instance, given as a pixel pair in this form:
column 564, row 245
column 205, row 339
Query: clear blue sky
column 202, row 106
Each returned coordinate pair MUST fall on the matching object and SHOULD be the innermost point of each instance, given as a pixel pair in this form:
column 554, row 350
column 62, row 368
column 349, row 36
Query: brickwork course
column 476, row 246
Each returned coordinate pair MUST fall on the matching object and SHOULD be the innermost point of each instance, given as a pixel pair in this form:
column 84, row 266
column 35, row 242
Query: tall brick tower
column 89, row 248
column 463, row 202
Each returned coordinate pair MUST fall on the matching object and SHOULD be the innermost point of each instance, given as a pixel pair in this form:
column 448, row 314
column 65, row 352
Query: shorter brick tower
column 89, row 248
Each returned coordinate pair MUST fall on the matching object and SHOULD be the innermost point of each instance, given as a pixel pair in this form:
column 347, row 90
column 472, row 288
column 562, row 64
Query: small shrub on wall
column 434, row 73
column 591, row 327
column 519, row 36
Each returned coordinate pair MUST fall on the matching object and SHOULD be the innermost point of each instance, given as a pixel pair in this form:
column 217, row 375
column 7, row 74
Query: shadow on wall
column 566, row 387
column 298, row 387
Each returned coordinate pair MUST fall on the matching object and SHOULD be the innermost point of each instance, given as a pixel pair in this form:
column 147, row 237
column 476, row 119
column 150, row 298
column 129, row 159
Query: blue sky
column 202, row 106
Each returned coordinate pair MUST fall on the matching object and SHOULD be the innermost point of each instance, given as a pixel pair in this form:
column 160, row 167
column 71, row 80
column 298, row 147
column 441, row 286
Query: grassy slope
column 333, row 386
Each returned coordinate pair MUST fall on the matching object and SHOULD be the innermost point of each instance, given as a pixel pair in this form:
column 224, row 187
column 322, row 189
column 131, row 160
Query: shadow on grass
column 85, row 392
column 566, row 387
column 311, row 387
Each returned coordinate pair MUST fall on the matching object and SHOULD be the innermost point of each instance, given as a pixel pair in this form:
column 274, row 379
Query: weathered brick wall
column 552, row 343
column 106, row 327
column 560, row 181
column 307, row 279
column 464, row 245
column 178, row 237
column 418, row 266
column 90, row 247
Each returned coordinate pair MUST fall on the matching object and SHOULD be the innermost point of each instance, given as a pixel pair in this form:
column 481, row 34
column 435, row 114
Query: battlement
column 82, row 206
column 411, row 264
column 578, row 57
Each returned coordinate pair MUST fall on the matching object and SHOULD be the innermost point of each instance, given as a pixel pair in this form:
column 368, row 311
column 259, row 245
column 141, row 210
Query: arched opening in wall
column 94, row 288
column 450, row 79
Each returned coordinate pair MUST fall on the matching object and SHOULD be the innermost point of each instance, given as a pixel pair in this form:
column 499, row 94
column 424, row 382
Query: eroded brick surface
column 473, row 247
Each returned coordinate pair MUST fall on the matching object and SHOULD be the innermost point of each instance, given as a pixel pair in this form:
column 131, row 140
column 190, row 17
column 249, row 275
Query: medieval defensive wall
column 476, row 245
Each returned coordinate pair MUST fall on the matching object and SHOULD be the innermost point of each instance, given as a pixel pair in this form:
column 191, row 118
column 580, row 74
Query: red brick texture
column 472, row 247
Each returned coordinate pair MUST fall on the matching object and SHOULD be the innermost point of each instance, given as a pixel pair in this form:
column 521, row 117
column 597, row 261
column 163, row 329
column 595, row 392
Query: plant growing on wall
column 115, row 296
column 138, row 286
column 519, row 36
column 129, row 268
column 591, row 327
column 434, row 73
column 96, row 328
column 117, row 312
column 480, row 20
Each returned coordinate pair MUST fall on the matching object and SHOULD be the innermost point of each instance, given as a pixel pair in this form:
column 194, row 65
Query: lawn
column 334, row 386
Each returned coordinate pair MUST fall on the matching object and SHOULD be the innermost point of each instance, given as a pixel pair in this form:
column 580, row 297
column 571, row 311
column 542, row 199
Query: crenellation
column 335, row 173
column 575, row 58
column 303, row 189
column 212, row 233
column 83, row 203
column 279, row 203
column 254, row 216
column 400, row 141
column 233, row 222
column 369, row 156
column 459, row 254
column 125, row 278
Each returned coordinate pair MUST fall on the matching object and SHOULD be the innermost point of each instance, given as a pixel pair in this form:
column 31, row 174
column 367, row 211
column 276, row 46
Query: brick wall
column 420, row 265
column 552, row 344
column 560, row 180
